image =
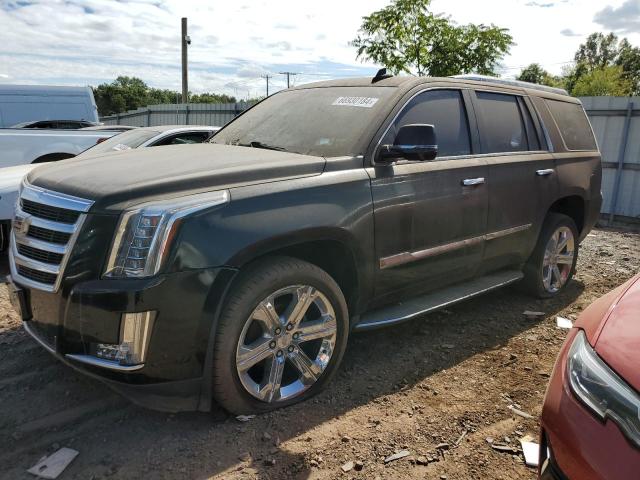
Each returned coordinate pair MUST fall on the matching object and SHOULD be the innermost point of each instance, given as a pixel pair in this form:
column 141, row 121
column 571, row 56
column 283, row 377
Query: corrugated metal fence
column 615, row 120
column 616, row 123
column 214, row 114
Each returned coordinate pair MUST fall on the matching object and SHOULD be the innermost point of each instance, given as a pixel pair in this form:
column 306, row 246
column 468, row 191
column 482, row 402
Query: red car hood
column 612, row 325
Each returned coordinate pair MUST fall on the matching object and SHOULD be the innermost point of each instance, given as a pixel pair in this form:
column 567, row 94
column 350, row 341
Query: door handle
column 545, row 172
column 468, row 182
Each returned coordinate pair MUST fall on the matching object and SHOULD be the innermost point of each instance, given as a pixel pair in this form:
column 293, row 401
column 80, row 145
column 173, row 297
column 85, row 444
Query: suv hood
column 616, row 336
column 117, row 180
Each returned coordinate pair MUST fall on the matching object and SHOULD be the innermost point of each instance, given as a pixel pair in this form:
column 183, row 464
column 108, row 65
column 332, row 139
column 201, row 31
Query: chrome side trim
column 37, row 338
column 508, row 231
column 407, row 257
column 99, row 362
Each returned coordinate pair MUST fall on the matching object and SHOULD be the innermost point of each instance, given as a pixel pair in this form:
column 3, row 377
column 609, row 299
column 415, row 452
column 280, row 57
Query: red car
column 591, row 414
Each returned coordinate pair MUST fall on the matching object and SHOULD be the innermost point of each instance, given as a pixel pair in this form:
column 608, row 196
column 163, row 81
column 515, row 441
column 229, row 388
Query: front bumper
column 574, row 443
column 66, row 323
column 172, row 396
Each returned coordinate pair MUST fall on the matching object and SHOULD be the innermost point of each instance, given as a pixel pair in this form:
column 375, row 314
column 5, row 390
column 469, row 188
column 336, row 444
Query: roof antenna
column 381, row 75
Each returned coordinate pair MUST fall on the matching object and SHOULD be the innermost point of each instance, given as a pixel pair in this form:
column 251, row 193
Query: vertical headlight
column 602, row 390
column 144, row 234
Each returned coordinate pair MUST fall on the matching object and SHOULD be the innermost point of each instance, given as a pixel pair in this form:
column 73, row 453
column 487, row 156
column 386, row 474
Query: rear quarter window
column 573, row 124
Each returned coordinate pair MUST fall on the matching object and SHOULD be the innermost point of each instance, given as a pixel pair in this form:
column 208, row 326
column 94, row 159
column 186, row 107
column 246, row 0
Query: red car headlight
column 602, row 390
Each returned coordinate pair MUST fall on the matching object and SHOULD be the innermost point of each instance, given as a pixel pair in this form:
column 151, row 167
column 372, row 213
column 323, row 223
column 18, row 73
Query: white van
column 25, row 103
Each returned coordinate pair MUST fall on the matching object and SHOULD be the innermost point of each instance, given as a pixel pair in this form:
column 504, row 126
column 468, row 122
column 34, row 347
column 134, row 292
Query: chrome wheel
column 286, row 343
column 558, row 259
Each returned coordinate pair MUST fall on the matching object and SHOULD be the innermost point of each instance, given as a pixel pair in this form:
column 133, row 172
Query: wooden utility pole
column 186, row 41
column 288, row 74
column 267, row 77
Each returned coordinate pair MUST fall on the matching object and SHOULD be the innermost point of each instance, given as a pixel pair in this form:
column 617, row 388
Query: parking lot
column 447, row 378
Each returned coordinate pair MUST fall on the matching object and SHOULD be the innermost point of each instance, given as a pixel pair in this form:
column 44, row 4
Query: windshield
column 122, row 141
column 327, row 122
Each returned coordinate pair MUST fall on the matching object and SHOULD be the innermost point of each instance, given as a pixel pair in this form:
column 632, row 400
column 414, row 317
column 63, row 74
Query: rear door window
column 444, row 109
column 503, row 127
column 573, row 125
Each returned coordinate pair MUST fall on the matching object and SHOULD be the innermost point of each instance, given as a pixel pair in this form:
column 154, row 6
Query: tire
column 246, row 331
column 536, row 271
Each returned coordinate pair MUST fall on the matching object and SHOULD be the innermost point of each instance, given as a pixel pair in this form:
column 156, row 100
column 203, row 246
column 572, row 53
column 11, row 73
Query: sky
column 235, row 43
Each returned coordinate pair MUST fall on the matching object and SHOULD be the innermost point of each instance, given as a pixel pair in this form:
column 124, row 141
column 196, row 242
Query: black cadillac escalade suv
column 235, row 270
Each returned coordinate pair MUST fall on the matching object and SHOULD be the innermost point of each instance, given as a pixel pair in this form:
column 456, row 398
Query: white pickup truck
column 19, row 146
column 11, row 177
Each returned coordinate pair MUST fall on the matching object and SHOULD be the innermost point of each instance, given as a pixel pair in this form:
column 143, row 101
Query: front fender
column 265, row 218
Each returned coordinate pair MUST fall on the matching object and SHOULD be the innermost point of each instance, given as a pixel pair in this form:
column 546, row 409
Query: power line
column 541, row 64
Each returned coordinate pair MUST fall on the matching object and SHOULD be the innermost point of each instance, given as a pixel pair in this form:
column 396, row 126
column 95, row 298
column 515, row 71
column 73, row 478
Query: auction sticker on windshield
column 366, row 102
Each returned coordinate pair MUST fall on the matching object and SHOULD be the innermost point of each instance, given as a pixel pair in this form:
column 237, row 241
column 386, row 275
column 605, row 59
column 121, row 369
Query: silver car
column 152, row 137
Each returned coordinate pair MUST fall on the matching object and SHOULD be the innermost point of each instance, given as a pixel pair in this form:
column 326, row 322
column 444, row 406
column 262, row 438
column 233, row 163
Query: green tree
column 124, row 93
column 534, row 73
column 406, row 37
column 130, row 93
column 601, row 51
column 608, row 80
column 211, row 98
column 629, row 60
column 571, row 74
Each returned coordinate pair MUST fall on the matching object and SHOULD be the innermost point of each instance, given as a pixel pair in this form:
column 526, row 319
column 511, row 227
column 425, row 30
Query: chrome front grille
column 45, row 227
column 49, row 235
column 40, row 255
column 48, row 212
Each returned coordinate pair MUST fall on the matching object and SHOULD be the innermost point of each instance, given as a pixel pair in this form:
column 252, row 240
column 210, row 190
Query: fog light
column 135, row 332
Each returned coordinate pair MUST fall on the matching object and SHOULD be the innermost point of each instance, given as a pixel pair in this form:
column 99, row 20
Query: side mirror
column 416, row 142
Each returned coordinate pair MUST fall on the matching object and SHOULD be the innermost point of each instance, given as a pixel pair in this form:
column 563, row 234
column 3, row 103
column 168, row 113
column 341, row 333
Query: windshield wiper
column 256, row 144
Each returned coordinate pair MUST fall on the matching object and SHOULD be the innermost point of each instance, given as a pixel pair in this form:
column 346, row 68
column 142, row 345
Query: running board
column 414, row 307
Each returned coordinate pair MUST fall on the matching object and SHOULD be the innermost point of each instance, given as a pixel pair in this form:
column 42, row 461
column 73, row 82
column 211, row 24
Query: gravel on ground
column 439, row 388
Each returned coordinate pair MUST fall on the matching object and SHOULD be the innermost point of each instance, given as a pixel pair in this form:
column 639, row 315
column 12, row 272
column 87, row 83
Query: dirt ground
column 447, row 378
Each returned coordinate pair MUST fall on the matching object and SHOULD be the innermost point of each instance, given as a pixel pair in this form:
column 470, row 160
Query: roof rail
column 513, row 83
